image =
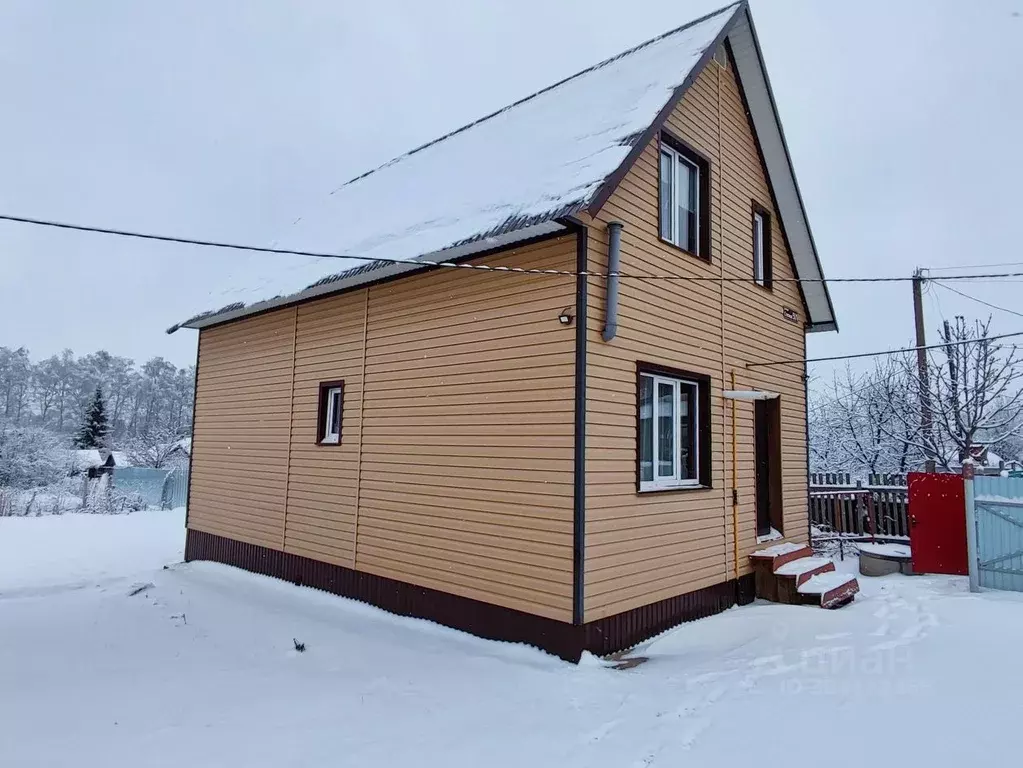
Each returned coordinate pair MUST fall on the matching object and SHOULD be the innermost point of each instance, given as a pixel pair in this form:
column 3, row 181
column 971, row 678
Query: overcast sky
column 229, row 120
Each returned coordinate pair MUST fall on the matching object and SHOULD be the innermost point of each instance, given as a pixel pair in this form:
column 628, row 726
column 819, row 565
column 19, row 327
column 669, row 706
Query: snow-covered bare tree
column 154, row 449
column 976, row 393
column 15, row 378
column 29, row 456
column 855, row 425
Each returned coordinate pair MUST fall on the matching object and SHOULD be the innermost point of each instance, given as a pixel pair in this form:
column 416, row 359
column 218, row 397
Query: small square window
column 684, row 199
column 331, row 409
column 673, row 449
column 762, row 266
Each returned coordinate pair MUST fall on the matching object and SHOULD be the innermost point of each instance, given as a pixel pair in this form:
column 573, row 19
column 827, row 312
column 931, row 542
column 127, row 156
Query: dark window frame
column 768, row 277
column 704, row 441
column 702, row 162
column 321, row 413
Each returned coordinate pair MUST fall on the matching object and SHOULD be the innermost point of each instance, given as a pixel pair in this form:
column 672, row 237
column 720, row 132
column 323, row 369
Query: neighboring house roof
column 184, row 446
column 980, row 454
column 88, row 458
column 519, row 172
column 120, row 459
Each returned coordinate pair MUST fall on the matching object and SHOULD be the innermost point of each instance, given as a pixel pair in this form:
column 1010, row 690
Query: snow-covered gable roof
column 88, row 458
column 120, row 459
column 562, row 151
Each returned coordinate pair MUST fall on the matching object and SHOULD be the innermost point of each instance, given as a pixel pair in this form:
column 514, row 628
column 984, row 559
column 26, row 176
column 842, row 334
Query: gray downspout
column 614, row 260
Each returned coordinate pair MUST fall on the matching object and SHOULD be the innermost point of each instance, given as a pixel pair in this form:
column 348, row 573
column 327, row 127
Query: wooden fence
column 844, row 478
column 859, row 510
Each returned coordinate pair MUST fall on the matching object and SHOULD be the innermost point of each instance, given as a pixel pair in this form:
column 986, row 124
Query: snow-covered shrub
column 54, row 499
column 104, row 498
column 30, row 457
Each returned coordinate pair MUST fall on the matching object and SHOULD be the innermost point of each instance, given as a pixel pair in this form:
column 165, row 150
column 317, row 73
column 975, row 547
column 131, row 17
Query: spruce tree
column 93, row 432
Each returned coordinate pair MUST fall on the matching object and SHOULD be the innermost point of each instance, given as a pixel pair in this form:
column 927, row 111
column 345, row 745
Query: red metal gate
column 937, row 523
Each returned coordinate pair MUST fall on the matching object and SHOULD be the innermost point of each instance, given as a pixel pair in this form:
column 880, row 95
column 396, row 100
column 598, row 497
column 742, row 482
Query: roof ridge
column 580, row 73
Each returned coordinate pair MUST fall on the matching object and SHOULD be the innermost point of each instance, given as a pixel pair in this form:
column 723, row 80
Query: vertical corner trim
column 291, row 429
column 362, row 415
column 191, row 435
column 579, row 456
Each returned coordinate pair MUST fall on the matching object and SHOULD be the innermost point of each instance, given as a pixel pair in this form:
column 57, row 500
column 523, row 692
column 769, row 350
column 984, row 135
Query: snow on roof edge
column 551, row 87
column 524, row 219
column 368, row 272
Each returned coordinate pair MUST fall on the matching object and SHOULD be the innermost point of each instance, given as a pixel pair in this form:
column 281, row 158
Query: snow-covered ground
column 200, row 669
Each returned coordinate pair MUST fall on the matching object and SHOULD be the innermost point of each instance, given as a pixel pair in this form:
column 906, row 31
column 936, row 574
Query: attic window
column 762, row 266
column 684, row 197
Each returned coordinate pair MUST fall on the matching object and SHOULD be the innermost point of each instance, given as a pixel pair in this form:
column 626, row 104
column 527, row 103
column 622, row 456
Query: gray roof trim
column 782, row 177
column 368, row 273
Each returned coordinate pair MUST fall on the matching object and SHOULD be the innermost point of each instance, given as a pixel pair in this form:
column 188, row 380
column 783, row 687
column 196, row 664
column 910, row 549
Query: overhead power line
column 978, row 266
column 942, row 345
column 979, row 301
column 461, row 265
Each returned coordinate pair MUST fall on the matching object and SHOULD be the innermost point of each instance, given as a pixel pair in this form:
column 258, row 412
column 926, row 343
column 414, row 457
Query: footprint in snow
column 833, row 636
column 691, row 731
column 883, row 629
column 599, row 733
column 912, row 632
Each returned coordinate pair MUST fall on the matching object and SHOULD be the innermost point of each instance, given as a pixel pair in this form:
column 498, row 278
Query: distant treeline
column 151, row 399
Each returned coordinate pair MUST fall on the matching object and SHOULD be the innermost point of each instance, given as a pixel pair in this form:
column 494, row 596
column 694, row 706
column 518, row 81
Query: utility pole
column 926, row 417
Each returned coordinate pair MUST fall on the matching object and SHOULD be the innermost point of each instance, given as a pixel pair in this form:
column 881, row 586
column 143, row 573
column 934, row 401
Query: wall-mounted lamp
column 565, row 318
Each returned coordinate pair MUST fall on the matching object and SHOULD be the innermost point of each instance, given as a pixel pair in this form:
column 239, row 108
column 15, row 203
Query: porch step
column 780, row 554
column 829, row 590
column 766, row 561
column 789, row 573
column 792, row 575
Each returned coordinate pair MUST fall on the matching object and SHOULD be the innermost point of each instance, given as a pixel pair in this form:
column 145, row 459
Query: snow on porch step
column 829, row 590
column 792, row 575
column 779, row 554
column 766, row 561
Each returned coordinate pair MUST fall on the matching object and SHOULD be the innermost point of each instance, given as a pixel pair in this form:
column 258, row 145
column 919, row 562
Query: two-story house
column 532, row 415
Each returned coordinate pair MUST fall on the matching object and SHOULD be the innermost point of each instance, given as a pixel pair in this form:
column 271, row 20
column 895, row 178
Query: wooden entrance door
column 767, row 447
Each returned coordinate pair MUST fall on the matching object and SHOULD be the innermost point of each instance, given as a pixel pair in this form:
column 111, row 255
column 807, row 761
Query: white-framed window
column 681, row 206
column 761, row 246
column 331, row 409
column 669, row 429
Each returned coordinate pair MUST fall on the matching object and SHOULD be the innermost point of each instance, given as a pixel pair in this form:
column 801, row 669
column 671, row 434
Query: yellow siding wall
column 322, row 479
column 242, row 422
column 455, row 468
column 644, row 547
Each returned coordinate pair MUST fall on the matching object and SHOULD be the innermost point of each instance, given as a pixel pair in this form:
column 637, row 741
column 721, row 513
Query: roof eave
column 826, row 320
column 391, row 270
column 823, row 327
